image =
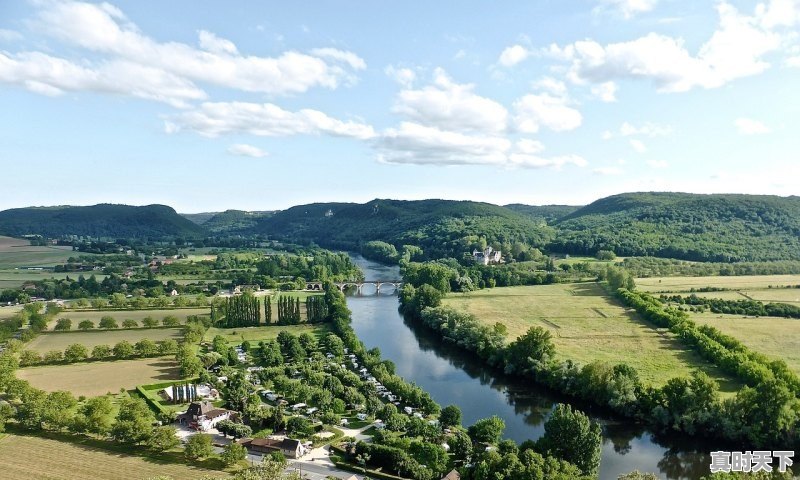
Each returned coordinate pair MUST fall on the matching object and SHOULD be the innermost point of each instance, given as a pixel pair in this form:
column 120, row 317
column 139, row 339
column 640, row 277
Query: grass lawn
column 777, row 338
column 119, row 315
column 59, row 341
column 28, row 457
column 684, row 284
column 98, row 378
column 588, row 325
column 256, row 334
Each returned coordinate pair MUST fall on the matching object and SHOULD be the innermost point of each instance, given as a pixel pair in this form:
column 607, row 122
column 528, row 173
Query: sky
column 207, row 106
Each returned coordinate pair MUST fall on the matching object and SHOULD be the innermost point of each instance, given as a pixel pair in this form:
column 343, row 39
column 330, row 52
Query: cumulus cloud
column 52, row 76
column 556, row 162
column 735, row 50
column 605, row 92
column 513, row 55
column 638, row 145
column 451, row 106
column 131, row 61
column 748, row 126
column 403, row 76
column 534, row 111
column 213, row 119
column 419, row 144
column 627, row 8
column 245, row 150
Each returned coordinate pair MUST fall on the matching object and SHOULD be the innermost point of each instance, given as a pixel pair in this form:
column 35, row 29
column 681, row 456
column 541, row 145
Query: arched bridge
column 378, row 284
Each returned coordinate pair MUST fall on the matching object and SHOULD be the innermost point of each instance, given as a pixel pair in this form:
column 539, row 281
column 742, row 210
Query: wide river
column 453, row 376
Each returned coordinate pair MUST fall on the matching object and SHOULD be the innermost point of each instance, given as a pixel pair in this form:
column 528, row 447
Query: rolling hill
column 104, row 220
column 721, row 228
column 440, row 227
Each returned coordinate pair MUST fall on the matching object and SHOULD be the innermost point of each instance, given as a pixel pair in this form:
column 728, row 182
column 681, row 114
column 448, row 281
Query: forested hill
column 440, row 227
column 104, row 220
column 720, row 228
column 234, row 220
column 543, row 213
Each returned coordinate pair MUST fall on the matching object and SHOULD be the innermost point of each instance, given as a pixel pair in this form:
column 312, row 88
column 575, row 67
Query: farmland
column 256, row 334
column 587, row 325
column 19, row 253
column 99, row 378
column 59, row 341
column 71, row 460
column 119, row 315
column 685, row 284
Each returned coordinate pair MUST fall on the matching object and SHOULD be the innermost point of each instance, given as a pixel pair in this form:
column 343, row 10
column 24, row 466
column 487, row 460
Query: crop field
column 25, row 458
column 256, row 334
column 46, row 342
column 588, row 325
column 19, row 253
column 684, row 284
column 98, row 378
column 778, row 338
column 119, row 315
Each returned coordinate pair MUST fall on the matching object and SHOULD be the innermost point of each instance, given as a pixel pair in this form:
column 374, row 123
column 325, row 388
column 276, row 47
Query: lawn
column 59, row 341
column 684, row 284
column 26, row 457
column 588, row 325
column 98, row 378
column 119, row 315
column 256, row 334
column 775, row 337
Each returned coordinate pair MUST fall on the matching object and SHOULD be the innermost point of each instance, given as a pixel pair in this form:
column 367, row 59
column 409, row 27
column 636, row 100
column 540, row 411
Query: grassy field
column 19, row 253
column 119, row 315
column 256, row 334
column 98, row 378
column 588, row 325
column 684, row 284
column 775, row 337
column 59, row 341
column 29, row 458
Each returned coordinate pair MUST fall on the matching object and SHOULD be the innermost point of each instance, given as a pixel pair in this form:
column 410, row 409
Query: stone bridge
column 378, row 284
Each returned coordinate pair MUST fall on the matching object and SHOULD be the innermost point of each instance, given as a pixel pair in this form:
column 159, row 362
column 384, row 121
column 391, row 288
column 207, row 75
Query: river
column 453, row 376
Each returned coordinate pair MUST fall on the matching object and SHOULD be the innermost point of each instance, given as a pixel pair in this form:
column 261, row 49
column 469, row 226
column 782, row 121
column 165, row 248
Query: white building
column 487, row 256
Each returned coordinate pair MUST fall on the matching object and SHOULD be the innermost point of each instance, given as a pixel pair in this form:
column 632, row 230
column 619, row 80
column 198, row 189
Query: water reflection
column 453, row 376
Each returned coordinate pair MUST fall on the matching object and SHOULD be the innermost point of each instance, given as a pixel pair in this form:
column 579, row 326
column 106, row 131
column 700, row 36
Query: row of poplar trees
column 245, row 311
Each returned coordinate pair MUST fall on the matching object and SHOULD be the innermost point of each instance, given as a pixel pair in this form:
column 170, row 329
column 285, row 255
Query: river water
column 453, row 376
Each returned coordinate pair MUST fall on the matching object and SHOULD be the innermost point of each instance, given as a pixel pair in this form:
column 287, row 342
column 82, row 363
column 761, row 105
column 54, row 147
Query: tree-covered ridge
column 233, row 220
column 439, row 227
column 103, row 220
column 720, row 228
column 544, row 213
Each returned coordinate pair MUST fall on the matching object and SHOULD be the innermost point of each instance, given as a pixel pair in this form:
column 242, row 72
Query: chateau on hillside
column 487, row 256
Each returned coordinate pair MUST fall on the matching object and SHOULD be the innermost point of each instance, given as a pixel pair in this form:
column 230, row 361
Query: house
column 362, row 416
column 288, row 447
column 239, row 289
column 298, row 406
column 204, row 416
column 487, row 256
column 453, row 475
column 173, row 293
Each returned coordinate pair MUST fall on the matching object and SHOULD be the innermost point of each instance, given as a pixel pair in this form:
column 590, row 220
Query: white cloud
column 647, row 129
column 658, row 164
column 628, row 8
column 451, row 106
column 214, row 44
column 748, row 126
column 735, row 50
column 608, row 171
column 534, row 111
column 214, row 119
column 403, row 76
column 529, row 147
column 551, row 85
column 513, row 55
column 606, row 92
column 104, row 29
column 424, row 145
column 48, row 75
column 556, row 163
column 245, row 150
column 638, row 145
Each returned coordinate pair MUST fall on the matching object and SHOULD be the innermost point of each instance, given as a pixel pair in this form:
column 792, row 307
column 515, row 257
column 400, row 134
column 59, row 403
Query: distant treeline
column 643, row 267
column 737, row 307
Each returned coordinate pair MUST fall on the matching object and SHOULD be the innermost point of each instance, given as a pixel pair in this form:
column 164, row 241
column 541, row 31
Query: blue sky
column 264, row 105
